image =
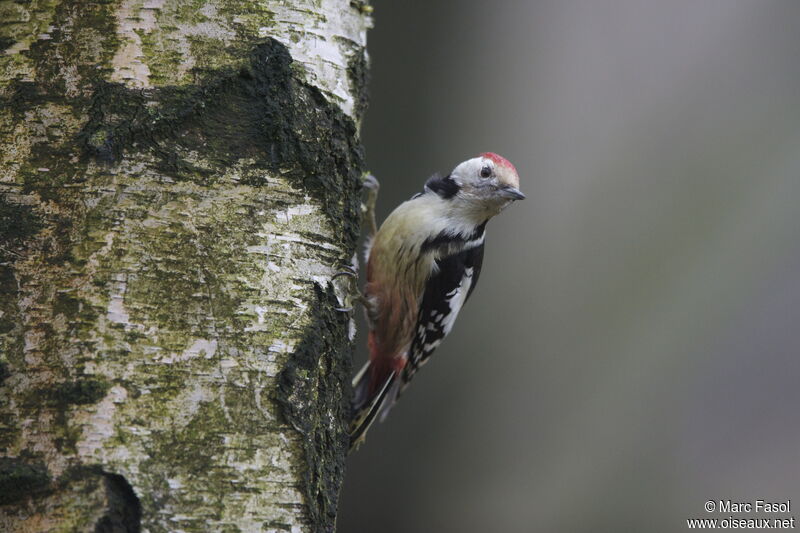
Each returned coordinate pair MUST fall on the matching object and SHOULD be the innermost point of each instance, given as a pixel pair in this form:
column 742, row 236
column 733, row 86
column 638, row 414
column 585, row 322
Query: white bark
column 175, row 196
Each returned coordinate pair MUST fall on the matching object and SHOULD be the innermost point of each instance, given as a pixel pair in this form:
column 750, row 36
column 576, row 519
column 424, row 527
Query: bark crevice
column 123, row 509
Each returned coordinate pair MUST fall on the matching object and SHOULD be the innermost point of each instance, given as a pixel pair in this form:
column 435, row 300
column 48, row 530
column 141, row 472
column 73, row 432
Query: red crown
column 499, row 160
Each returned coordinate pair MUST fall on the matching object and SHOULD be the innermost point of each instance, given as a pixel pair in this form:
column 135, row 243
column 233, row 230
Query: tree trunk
column 179, row 181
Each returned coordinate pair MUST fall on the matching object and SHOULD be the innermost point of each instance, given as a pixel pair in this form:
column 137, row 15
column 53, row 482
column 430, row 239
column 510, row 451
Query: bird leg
column 372, row 186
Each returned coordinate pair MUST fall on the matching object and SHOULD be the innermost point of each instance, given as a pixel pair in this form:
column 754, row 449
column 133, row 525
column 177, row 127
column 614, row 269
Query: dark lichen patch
column 9, row 424
column 11, row 332
column 66, row 304
column 358, row 73
column 85, row 391
column 301, row 126
column 314, row 399
column 112, row 114
column 263, row 113
column 6, row 42
column 19, row 96
column 9, row 429
column 20, row 479
column 18, row 223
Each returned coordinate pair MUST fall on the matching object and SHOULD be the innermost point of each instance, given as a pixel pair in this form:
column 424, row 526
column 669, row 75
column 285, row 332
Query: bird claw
column 348, row 271
column 351, row 295
column 355, row 446
column 370, row 182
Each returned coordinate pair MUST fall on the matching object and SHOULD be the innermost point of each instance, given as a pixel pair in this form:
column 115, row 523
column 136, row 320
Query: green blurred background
column 632, row 349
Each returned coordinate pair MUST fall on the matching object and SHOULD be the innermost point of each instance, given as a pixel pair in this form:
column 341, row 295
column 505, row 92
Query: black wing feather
column 476, row 262
column 438, row 302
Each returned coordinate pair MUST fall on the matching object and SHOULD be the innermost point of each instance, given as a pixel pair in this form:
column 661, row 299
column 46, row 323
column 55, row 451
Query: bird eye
column 486, row 172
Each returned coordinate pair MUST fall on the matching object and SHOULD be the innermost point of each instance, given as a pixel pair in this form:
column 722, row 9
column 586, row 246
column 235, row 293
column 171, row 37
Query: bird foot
column 352, row 295
column 347, row 270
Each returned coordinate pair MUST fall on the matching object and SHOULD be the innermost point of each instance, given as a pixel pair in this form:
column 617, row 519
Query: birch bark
column 179, row 181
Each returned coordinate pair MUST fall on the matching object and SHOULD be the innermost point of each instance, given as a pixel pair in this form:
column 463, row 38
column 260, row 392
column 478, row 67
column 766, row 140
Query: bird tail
column 368, row 405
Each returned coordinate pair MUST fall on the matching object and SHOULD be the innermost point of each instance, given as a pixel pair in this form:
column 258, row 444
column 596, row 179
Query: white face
column 488, row 183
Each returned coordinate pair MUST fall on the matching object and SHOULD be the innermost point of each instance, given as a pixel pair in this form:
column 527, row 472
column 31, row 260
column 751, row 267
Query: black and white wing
column 445, row 293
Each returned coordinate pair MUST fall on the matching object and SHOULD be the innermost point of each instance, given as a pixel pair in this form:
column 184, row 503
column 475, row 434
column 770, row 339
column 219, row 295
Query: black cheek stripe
column 446, row 187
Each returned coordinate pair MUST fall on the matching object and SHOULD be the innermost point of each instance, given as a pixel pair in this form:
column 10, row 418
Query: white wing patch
column 457, row 300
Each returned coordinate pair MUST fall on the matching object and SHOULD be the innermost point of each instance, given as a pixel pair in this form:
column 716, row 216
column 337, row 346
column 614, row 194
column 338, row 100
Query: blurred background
column 633, row 347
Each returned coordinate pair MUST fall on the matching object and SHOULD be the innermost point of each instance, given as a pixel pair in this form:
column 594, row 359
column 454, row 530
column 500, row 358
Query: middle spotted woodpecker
column 422, row 265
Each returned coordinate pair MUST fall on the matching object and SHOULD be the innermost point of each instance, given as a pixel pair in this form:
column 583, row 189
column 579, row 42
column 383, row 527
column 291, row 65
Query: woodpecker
column 422, row 265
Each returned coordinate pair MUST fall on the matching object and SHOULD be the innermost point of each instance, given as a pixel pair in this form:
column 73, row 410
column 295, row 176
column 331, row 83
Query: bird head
column 487, row 183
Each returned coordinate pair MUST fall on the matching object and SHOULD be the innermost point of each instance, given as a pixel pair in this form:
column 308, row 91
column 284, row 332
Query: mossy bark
column 179, row 181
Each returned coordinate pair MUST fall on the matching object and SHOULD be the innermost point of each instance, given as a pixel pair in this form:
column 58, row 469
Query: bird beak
column 512, row 193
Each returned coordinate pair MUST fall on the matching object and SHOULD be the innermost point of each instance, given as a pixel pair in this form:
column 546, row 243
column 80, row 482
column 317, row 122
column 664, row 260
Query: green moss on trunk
column 167, row 335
